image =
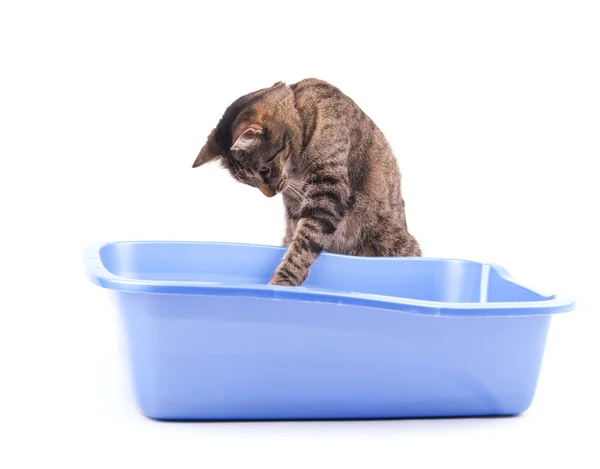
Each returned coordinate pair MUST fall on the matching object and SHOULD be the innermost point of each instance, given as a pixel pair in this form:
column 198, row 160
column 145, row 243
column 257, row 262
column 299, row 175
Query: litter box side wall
column 195, row 357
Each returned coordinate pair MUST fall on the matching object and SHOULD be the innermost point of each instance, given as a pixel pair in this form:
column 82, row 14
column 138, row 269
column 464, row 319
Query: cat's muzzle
column 268, row 191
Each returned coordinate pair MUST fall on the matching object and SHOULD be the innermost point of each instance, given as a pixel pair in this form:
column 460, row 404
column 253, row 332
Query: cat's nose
column 264, row 170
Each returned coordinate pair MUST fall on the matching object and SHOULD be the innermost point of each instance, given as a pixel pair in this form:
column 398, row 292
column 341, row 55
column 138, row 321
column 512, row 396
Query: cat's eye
column 264, row 170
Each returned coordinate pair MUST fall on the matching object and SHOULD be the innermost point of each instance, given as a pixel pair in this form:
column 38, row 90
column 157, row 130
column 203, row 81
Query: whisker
column 291, row 191
column 296, row 194
column 299, row 185
column 237, row 174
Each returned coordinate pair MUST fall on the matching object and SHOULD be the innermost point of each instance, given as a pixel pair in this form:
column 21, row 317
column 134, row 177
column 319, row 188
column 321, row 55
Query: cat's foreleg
column 317, row 221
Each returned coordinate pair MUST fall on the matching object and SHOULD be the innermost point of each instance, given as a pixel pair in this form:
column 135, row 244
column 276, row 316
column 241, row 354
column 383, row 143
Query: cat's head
column 256, row 136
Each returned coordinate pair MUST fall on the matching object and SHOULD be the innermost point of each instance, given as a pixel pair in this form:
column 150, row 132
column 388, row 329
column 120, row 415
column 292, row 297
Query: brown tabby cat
column 338, row 176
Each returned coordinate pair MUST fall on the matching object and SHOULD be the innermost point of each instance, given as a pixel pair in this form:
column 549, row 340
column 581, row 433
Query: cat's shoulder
column 312, row 83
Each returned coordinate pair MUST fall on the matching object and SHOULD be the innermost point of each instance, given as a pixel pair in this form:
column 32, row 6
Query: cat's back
column 312, row 93
column 313, row 86
column 323, row 106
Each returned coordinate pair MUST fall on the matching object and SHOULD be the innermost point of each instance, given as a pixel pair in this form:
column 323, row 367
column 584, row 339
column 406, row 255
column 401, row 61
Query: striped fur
column 338, row 176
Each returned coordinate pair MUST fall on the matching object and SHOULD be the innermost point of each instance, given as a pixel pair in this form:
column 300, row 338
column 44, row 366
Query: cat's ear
column 246, row 136
column 209, row 152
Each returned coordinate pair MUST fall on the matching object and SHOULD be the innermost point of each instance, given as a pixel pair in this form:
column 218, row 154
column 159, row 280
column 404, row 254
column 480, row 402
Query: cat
column 338, row 176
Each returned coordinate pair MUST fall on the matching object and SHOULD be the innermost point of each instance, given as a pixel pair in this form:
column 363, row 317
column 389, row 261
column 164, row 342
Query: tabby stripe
column 291, row 260
column 286, row 271
column 321, row 86
column 291, row 275
column 326, row 192
column 311, row 227
column 278, row 151
column 329, row 195
column 282, row 273
column 351, row 201
column 310, row 245
column 327, row 226
column 322, row 212
column 319, row 224
column 324, row 179
column 315, row 225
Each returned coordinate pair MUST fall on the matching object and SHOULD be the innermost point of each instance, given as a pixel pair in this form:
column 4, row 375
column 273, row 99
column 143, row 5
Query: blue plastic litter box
column 208, row 339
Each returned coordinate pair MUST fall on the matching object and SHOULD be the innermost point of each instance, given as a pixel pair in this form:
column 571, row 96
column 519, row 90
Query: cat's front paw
column 282, row 281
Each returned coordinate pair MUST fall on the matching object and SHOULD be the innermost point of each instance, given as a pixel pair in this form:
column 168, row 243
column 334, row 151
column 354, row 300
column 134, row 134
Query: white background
column 493, row 109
